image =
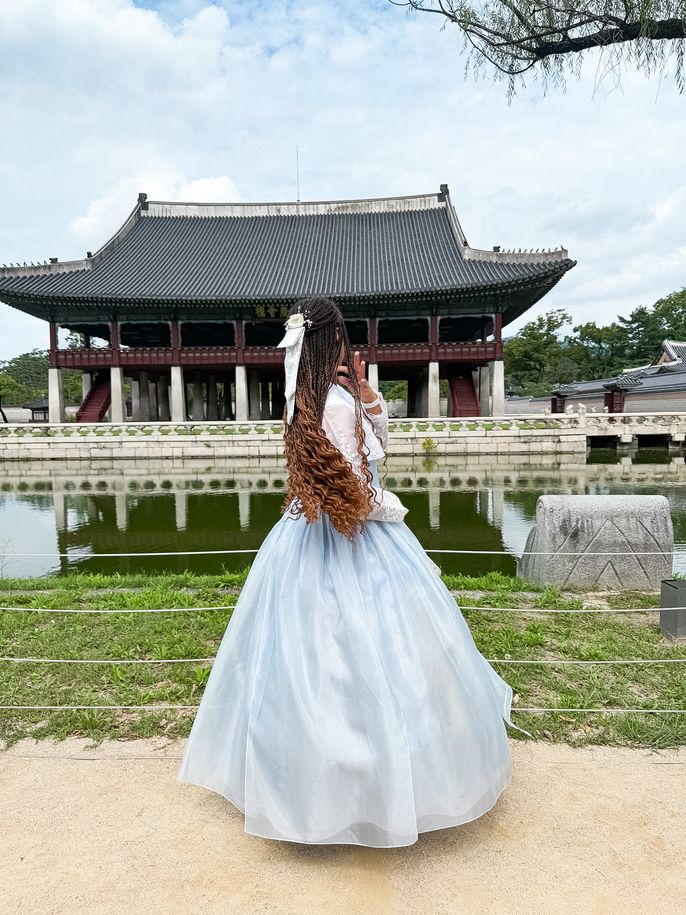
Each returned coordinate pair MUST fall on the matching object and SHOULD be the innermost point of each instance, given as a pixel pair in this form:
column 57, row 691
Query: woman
column 348, row 702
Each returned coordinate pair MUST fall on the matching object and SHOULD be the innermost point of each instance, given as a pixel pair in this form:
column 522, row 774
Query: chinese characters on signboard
column 270, row 311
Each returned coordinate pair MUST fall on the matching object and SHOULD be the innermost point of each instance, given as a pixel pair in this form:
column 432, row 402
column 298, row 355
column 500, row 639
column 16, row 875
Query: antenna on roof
column 297, row 174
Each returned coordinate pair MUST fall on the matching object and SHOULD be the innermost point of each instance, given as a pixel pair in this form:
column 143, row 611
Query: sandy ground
column 599, row 830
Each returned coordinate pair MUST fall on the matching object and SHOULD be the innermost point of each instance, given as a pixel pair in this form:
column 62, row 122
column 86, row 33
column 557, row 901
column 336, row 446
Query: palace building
column 658, row 387
column 188, row 302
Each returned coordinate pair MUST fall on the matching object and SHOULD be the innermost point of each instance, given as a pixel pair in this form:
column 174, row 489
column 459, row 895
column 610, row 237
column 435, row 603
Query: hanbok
column 348, row 702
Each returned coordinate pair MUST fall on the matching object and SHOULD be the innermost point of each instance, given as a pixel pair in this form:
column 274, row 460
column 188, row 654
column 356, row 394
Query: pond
column 486, row 503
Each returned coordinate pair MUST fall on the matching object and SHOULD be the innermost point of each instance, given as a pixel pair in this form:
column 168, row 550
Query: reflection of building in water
column 490, row 506
column 187, row 301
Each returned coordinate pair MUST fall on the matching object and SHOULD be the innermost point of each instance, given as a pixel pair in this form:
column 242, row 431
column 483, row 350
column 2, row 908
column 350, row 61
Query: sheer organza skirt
column 348, row 702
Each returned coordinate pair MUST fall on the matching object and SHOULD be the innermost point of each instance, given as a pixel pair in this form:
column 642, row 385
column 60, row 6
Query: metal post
column 673, row 619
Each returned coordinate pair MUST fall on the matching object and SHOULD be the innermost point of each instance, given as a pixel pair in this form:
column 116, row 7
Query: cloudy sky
column 199, row 100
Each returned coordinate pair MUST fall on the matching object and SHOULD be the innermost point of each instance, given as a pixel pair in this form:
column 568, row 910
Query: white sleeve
column 338, row 423
column 379, row 420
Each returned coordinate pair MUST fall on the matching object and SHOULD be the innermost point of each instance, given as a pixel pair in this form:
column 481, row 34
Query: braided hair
column 318, row 474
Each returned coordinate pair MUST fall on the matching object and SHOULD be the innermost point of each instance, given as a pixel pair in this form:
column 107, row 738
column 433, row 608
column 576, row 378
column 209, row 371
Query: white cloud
column 188, row 99
column 160, row 181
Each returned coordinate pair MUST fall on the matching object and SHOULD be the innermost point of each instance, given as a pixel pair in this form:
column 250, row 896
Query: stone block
column 577, row 534
column 673, row 609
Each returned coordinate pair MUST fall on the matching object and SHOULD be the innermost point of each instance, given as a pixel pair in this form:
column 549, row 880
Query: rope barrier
column 577, row 554
column 579, row 661
column 123, row 610
column 664, row 554
column 168, row 707
column 114, row 660
column 164, row 708
column 156, row 708
column 212, row 659
column 608, row 711
column 233, row 606
column 573, row 610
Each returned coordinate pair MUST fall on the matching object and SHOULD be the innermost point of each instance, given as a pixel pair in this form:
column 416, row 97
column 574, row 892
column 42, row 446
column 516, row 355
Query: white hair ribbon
column 293, row 342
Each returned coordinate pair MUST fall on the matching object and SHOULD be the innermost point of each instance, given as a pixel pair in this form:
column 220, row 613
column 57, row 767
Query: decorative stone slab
column 573, row 530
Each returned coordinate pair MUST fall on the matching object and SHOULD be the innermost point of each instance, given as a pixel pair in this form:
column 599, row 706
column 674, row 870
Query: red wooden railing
column 164, row 356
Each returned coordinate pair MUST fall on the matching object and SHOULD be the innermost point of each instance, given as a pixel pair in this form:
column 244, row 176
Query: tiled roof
column 248, row 253
column 676, row 349
column 671, row 377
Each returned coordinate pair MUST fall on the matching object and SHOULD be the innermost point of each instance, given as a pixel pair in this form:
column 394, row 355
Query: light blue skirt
column 348, row 702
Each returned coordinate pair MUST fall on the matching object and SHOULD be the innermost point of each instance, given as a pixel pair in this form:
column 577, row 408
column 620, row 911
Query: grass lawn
column 541, row 636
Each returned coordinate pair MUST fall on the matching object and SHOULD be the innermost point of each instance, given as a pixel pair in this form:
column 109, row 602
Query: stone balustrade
column 565, row 433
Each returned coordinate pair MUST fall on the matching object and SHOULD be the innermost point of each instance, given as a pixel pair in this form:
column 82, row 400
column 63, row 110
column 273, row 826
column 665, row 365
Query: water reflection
column 485, row 504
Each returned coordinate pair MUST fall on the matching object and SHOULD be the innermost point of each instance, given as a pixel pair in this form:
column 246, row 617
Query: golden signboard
column 270, row 311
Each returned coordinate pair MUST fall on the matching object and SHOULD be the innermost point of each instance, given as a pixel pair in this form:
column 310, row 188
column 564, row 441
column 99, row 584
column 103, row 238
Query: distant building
column 188, row 301
column 655, row 388
column 39, row 410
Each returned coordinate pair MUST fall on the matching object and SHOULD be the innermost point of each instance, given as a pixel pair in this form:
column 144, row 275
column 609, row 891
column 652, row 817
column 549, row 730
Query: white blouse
column 338, row 423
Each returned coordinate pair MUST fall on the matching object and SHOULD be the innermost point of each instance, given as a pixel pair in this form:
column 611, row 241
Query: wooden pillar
column 114, row 343
column 498, row 334
column 175, row 341
column 240, row 338
column 372, row 340
column 53, row 345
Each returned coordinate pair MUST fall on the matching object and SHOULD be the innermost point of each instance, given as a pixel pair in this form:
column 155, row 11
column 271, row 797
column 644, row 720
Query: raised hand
column 367, row 393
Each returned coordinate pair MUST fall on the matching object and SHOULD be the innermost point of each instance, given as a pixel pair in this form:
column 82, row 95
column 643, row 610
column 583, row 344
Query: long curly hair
column 318, row 474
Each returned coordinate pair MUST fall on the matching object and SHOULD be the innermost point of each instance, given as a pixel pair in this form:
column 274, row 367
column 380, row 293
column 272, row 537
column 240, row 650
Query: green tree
column 646, row 328
column 547, row 40
column 11, row 392
column 29, row 372
column 536, row 358
column 598, row 352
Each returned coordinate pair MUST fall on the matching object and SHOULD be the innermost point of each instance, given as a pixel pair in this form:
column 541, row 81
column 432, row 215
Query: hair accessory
column 292, row 341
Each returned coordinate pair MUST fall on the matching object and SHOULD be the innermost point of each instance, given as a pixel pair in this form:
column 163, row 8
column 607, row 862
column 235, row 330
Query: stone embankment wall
column 560, row 434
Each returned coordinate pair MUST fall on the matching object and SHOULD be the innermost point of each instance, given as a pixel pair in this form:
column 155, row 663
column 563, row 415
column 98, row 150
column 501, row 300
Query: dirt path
column 595, row 830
